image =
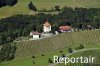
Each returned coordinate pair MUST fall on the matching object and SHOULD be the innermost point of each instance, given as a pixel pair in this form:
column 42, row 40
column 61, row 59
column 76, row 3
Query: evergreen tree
column 11, row 2
column 32, row 7
column 57, row 8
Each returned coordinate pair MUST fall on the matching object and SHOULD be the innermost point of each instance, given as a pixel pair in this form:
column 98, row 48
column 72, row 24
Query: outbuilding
column 65, row 28
column 36, row 34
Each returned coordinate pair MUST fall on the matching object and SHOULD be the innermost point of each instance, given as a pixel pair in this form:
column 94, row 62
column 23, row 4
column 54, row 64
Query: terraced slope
column 89, row 38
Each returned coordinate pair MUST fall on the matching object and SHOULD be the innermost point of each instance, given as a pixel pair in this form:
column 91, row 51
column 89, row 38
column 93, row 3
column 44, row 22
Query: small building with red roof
column 35, row 34
column 65, row 28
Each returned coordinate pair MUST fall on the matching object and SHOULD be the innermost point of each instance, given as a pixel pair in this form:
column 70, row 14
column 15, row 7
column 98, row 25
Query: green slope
column 21, row 6
column 92, row 53
column 65, row 40
column 51, row 46
column 27, row 61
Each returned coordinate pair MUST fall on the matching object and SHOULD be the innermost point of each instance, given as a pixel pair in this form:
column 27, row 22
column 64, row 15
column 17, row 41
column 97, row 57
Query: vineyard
column 89, row 38
column 52, row 45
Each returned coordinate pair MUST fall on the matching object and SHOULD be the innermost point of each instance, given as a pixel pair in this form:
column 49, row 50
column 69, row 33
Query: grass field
column 92, row 53
column 22, row 6
column 27, row 61
column 51, row 46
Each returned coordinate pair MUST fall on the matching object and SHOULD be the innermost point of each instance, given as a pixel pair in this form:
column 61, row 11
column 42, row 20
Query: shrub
column 33, row 62
column 63, row 55
column 57, row 8
column 33, row 56
column 50, row 60
column 43, row 55
column 32, row 7
column 70, row 50
column 80, row 47
column 61, row 51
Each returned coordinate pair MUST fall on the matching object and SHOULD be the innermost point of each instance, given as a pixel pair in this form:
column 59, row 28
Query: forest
column 21, row 25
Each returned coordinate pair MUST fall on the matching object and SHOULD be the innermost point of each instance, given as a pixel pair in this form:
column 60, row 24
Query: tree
column 57, row 8
column 2, row 3
column 7, row 52
column 61, row 51
column 39, row 28
column 11, row 2
column 7, row 2
column 3, row 39
column 80, row 47
column 50, row 60
column 11, row 56
column 96, row 22
column 43, row 55
column 32, row 7
column 33, row 62
column 63, row 55
column 66, row 13
column 70, row 50
column 9, row 39
column 33, row 56
column 55, row 27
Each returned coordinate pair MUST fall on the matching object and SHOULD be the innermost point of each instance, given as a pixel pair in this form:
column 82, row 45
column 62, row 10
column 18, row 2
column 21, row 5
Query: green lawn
column 22, row 6
column 27, row 61
column 92, row 53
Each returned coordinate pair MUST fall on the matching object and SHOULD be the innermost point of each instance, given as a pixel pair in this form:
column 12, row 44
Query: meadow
column 52, row 46
column 93, row 53
column 22, row 6
column 28, row 61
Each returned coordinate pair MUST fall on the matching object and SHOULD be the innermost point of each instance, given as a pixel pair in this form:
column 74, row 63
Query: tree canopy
column 7, row 2
column 32, row 7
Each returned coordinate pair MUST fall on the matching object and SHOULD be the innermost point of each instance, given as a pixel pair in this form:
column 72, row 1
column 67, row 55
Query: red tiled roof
column 34, row 33
column 65, row 28
column 47, row 24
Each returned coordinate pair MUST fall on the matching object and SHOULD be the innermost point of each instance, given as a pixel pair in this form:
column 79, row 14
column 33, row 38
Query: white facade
column 56, row 32
column 46, row 29
column 35, row 36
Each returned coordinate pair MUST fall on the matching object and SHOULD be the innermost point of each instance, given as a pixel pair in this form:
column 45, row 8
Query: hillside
column 25, row 50
column 94, row 53
column 22, row 8
column 74, row 39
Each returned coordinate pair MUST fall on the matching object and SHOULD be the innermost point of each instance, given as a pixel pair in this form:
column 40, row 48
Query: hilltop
column 22, row 6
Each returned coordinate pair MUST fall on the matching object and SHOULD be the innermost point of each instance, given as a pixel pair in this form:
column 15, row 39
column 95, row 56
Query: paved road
column 75, row 52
